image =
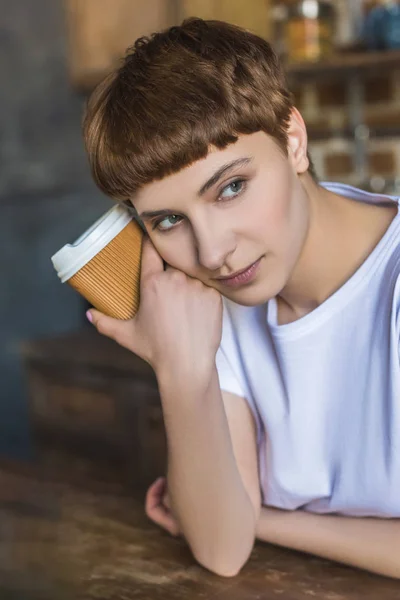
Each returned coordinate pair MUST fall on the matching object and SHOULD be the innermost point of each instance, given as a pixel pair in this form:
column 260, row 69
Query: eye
column 174, row 218
column 233, row 189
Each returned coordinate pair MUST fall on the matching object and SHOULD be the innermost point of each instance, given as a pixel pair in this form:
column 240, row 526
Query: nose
column 214, row 246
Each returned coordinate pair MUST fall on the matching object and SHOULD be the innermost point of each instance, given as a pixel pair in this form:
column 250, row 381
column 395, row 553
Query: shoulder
column 392, row 281
column 388, row 261
column 396, row 295
column 230, row 324
column 392, row 272
column 237, row 314
column 231, row 318
column 240, row 323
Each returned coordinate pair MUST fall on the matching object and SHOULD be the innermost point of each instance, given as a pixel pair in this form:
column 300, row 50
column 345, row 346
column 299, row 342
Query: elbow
column 225, row 564
column 225, row 549
column 220, row 568
column 392, row 571
column 226, row 572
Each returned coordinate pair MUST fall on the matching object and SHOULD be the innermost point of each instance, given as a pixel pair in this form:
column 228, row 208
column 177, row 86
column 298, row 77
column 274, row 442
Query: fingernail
column 89, row 316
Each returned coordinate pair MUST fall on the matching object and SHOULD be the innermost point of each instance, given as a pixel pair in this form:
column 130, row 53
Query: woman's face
column 225, row 212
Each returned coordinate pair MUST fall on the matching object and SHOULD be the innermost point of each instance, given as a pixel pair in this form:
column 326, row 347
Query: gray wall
column 46, row 194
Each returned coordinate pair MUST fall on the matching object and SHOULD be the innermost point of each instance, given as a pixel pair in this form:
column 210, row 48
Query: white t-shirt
column 325, row 389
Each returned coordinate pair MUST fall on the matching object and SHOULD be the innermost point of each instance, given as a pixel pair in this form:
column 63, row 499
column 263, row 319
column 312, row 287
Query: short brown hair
column 177, row 93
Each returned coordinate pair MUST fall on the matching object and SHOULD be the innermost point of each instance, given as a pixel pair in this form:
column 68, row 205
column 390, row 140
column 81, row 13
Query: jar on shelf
column 382, row 26
column 309, row 31
column 349, row 20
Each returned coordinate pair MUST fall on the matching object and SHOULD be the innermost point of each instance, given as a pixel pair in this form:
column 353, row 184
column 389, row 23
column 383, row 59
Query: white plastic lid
column 72, row 257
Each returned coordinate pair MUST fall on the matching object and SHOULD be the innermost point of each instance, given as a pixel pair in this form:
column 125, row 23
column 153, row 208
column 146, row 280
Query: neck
column 341, row 235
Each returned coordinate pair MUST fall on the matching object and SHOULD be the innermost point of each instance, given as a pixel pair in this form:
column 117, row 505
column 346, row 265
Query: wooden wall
column 99, row 31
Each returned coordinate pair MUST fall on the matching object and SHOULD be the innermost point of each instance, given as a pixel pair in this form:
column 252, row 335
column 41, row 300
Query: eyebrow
column 223, row 170
column 239, row 162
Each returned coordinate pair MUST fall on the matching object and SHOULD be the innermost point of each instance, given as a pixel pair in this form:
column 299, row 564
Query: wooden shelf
column 316, row 134
column 340, row 65
column 345, row 64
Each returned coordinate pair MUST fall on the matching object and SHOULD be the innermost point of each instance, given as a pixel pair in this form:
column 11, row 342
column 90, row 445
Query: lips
column 227, row 277
column 241, row 278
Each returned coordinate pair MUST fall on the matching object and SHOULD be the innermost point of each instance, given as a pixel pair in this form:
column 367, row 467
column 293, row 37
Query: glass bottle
column 310, row 30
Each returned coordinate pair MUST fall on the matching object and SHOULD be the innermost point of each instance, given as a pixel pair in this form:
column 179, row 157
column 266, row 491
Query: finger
column 155, row 508
column 155, row 493
column 172, row 526
column 115, row 329
column 151, row 260
column 164, row 519
column 158, row 486
column 166, row 501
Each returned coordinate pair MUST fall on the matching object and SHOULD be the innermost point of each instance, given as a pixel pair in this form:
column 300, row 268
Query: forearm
column 371, row 544
column 208, row 498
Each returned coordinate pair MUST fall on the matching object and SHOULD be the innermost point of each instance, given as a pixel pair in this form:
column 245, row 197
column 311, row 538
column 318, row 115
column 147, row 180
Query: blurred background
column 69, row 399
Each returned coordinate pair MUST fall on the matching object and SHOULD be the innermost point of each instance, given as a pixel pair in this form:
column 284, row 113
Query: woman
column 269, row 308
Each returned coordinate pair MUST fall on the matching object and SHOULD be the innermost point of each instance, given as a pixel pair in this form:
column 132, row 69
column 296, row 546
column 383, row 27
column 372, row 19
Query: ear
column 297, row 142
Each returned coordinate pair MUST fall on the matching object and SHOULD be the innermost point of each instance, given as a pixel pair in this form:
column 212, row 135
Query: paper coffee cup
column 103, row 264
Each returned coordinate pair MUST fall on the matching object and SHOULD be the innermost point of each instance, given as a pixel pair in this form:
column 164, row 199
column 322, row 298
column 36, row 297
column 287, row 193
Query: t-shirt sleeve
column 227, row 359
column 227, row 378
column 397, row 313
column 230, row 369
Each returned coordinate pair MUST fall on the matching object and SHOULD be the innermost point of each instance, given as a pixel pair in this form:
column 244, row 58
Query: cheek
column 290, row 219
column 176, row 251
column 274, row 214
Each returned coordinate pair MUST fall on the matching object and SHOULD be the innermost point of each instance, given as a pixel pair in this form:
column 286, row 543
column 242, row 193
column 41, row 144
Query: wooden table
column 61, row 543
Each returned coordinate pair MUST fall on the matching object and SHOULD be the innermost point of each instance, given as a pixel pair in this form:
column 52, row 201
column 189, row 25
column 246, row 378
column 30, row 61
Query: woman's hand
column 179, row 321
column 158, row 508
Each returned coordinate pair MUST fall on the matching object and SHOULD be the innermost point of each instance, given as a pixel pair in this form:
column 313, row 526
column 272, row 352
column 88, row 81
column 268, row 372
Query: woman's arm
column 368, row 543
column 178, row 330
column 208, row 497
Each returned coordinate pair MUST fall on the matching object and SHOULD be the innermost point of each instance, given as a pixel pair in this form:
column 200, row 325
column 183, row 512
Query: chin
column 250, row 296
